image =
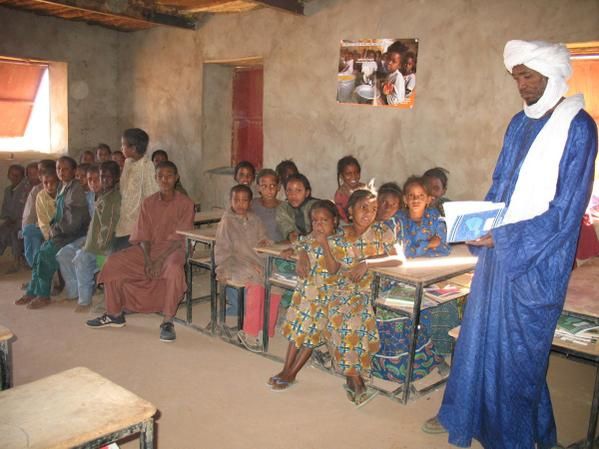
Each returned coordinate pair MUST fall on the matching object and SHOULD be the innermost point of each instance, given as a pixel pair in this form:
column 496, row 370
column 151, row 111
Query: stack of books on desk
column 576, row 330
column 287, row 279
column 402, row 296
column 445, row 291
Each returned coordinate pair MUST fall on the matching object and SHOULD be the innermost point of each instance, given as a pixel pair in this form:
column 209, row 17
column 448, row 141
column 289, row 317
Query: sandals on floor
column 365, row 397
column 272, row 380
column 282, row 385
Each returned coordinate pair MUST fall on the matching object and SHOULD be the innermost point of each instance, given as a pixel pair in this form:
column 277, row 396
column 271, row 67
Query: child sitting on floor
column 70, row 222
column 293, row 217
column 306, row 321
column 238, row 233
column 148, row 276
column 265, row 207
column 15, row 197
column 99, row 236
column 389, row 203
column 351, row 327
column 348, row 180
column 436, row 181
column 424, row 234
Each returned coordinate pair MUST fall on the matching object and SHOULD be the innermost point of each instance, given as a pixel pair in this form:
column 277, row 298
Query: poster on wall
column 378, row 72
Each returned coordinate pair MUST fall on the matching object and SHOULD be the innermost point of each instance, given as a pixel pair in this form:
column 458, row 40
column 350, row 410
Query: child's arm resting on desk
column 392, row 259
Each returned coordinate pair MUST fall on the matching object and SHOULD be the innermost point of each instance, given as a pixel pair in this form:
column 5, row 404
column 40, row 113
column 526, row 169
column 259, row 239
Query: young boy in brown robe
column 149, row 276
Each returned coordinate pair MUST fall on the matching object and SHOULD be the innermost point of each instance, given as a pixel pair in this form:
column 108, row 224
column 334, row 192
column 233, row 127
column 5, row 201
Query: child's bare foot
column 24, row 300
column 38, row 302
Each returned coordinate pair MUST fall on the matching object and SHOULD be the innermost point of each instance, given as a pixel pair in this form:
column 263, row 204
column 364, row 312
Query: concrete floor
column 211, row 394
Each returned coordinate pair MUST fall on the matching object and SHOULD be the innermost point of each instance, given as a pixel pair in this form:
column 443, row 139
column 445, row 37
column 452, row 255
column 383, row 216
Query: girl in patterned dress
column 307, row 315
column 351, row 327
column 424, row 234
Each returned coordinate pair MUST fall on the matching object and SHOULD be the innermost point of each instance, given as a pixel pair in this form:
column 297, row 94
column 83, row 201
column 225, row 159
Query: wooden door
column 247, row 138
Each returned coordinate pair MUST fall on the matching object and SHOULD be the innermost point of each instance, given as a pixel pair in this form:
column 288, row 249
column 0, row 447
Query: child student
column 87, row 157
column 436, row 180
column 238, row 233
column 348, row 180
column 70, row 222
column 389, row 203
column 81, row 175
column 67, row 253
column 100, row 234
column 245, row 173
column 424, row 233
column 306, row 320
column 159, row 156
column 138, row 181
column 15, row 197
column 394, row 89
column 293, row 217
column 148, row 276
column 409, row 72
column 285, row 169
column 103, row 153
column 265, row 207
column 32, row 236
column 119, row 158
column 354, row 338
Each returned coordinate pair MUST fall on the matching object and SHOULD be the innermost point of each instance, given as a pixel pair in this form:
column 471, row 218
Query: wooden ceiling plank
column 128, row 12
column 293, row 6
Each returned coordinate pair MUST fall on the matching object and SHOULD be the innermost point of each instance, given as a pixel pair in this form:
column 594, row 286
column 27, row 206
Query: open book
column 577, row 330
column 470, row 220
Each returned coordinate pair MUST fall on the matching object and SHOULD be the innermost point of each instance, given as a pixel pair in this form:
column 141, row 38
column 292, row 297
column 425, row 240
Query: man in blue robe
column 497, row 391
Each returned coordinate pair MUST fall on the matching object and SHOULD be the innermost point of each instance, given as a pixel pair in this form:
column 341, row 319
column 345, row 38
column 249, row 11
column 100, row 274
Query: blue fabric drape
column 497, row 391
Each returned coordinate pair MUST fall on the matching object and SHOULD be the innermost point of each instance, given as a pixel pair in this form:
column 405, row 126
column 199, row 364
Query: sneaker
column 167, row 331
column 106, row 321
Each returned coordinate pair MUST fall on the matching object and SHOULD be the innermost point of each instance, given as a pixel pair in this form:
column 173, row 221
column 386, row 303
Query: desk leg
column 413, row 342
column 5, row 371
column 594, row 413
column 266, row 317
column 146, row 437
column 188, row 254
column 213, row 289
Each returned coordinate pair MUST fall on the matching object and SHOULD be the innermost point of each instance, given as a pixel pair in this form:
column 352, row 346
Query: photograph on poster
column 378, row 72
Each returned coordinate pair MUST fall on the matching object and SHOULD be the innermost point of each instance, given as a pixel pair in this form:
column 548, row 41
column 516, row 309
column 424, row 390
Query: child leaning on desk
column 361, row 245
column 306, row 320
column 237, row 235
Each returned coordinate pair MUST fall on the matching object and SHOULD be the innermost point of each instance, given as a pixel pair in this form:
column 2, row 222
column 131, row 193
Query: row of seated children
column 332, row 299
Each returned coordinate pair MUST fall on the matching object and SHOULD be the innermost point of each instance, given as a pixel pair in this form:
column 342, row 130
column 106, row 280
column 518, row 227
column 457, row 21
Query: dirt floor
column 211, row 394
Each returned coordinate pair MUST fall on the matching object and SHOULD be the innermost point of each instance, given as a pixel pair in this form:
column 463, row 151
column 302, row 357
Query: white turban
column 550, row 60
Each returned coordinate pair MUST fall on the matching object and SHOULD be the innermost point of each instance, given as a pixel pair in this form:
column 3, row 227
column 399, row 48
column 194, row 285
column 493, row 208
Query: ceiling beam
column 293, row 6
column 122, row 9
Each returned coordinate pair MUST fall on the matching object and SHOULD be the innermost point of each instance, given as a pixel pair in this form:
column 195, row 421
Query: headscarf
column 550, row 60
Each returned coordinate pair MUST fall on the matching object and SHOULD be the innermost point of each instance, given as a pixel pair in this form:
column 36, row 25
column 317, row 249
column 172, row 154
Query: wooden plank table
column 5, row 360
column 419, row 273
column 208, row 217
column 77, row 408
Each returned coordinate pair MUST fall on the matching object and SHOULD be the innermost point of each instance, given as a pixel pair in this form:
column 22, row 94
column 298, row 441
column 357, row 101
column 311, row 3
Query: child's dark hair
column 68, row 159
column 159, row 153
column 90, row 152
column 112, row 167
column 92, row 168
column 397, row 47
column 438, row 172
column 301, row 178
column 241, row 188
column 244, row 164
column 267, row 172
column 137, row 138
column 17, row 167
column 168, row 164
column 390, row 188
column 47, row 165
column 31, row 165
column 327, row 205
column 346, row 161
column 284, row 166
column 416, row 180
column 359, row 195
column 83, row 167
column 103, row 146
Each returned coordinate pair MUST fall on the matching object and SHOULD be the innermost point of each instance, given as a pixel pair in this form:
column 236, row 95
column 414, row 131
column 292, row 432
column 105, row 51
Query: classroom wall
column 464, row 99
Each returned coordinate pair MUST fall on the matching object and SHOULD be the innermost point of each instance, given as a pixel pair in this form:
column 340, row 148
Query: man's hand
column 486, row 241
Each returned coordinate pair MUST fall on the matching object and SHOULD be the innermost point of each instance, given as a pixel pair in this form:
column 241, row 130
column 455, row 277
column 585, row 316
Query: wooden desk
column 208, row 217
column 206, row 237
column 5, row 361
column 272, row 252
column 582, row 300
column 73, row 409
column 419, row 273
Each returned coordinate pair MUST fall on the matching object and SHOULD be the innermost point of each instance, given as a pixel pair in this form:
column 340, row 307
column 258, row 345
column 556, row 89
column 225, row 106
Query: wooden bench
column 5, row 361
column 77, row 408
